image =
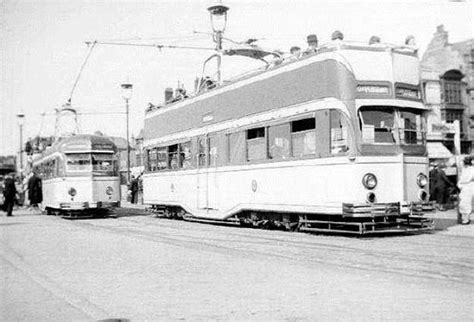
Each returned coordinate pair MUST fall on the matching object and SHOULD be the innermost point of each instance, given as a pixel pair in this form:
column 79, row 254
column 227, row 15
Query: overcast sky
column 42, row 48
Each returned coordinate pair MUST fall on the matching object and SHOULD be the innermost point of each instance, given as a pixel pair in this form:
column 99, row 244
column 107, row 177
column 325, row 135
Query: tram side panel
column 307, row 186
column 105, row 191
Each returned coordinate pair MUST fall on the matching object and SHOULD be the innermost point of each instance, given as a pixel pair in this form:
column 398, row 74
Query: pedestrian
column 466, row 184
column 9, row 194
column 134, row 189
column 35, row 192
column 312, row 41
column 439, row 186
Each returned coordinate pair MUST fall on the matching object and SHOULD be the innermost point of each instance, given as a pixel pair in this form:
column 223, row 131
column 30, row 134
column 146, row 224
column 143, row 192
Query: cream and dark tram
column 334, row 141
column 79, row 176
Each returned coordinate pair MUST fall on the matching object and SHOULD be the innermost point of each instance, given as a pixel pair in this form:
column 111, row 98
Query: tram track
column 297, row 252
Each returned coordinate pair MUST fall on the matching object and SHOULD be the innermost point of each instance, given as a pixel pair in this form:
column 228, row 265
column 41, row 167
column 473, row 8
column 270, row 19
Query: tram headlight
column 72, row 192
column 109, row 190
column 423, row 195
column 369, row 181
column 422, row 180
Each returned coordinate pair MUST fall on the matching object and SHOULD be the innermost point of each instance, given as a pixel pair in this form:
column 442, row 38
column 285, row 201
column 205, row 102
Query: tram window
column 303, row 137
column 185, row 155
column 161, row 158
column 236, row 150
column 79, row 162
column 102, row 162
column 382, row 119
column 202, row 152
column 256, row 144
column 412, row 127
column 152, row 160
column 173, row 158
column 213, row 151
column 279, row 141
column 339, row 133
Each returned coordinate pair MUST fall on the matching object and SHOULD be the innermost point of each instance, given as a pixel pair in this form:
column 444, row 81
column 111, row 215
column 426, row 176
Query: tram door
column 202, row 175
column 207, row 180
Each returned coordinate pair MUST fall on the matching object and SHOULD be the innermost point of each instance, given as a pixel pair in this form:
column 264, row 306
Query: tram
column 79, row 176
column 332, row 142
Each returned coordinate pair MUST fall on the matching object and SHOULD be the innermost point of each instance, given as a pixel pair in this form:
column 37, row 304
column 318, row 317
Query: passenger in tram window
column 337, row 36
column 466, row 184
column 410, row 42
column 295, row 52
column 312, row 45
column 374, row 40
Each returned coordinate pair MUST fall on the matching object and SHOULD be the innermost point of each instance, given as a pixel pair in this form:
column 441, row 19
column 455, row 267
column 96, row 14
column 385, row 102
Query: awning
column 436, row 150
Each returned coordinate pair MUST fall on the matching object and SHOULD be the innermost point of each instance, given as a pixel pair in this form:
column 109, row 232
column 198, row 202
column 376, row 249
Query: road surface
column 143, row 268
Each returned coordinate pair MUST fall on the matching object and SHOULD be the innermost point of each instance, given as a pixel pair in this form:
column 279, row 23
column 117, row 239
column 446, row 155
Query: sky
column 42, row 46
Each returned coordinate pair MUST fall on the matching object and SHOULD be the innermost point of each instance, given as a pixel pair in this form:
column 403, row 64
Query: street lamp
column 218, row 15
column 21, row 121
column 127, row 95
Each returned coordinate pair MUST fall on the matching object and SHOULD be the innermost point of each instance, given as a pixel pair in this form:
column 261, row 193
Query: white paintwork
column 313, row 186
column 90, row 190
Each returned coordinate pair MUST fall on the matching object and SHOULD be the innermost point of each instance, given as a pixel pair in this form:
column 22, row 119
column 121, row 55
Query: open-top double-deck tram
column 334, row 141
column 79, row 176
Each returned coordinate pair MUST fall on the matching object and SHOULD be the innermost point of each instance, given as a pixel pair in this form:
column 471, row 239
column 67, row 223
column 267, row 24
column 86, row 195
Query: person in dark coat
column 134, row 189
column 9, row 192
column 439, row 186
column 35, row 192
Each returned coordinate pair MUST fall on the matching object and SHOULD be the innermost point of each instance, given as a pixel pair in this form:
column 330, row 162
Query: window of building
column 279, row 141
column 452, row 92
column 339, row 133
column 256, row 144
column 303, row 137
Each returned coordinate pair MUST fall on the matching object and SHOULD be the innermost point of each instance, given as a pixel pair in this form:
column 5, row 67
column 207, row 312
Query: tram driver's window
column 102, row 162
column 339, row 133
column 79, row 162
column 256, row 144
column 382, row 120
column 303, row 137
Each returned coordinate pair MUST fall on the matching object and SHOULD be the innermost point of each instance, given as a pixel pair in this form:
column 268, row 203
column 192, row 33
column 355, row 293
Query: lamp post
column 127, row 95
column 21, row 121
column 218, row 15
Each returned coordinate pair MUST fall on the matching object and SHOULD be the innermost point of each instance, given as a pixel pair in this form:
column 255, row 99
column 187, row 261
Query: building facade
column 448, row 79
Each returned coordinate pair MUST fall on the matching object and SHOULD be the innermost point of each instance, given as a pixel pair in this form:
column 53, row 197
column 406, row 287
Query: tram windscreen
column 103, row 163
column 394, row 125
column 79, row 162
